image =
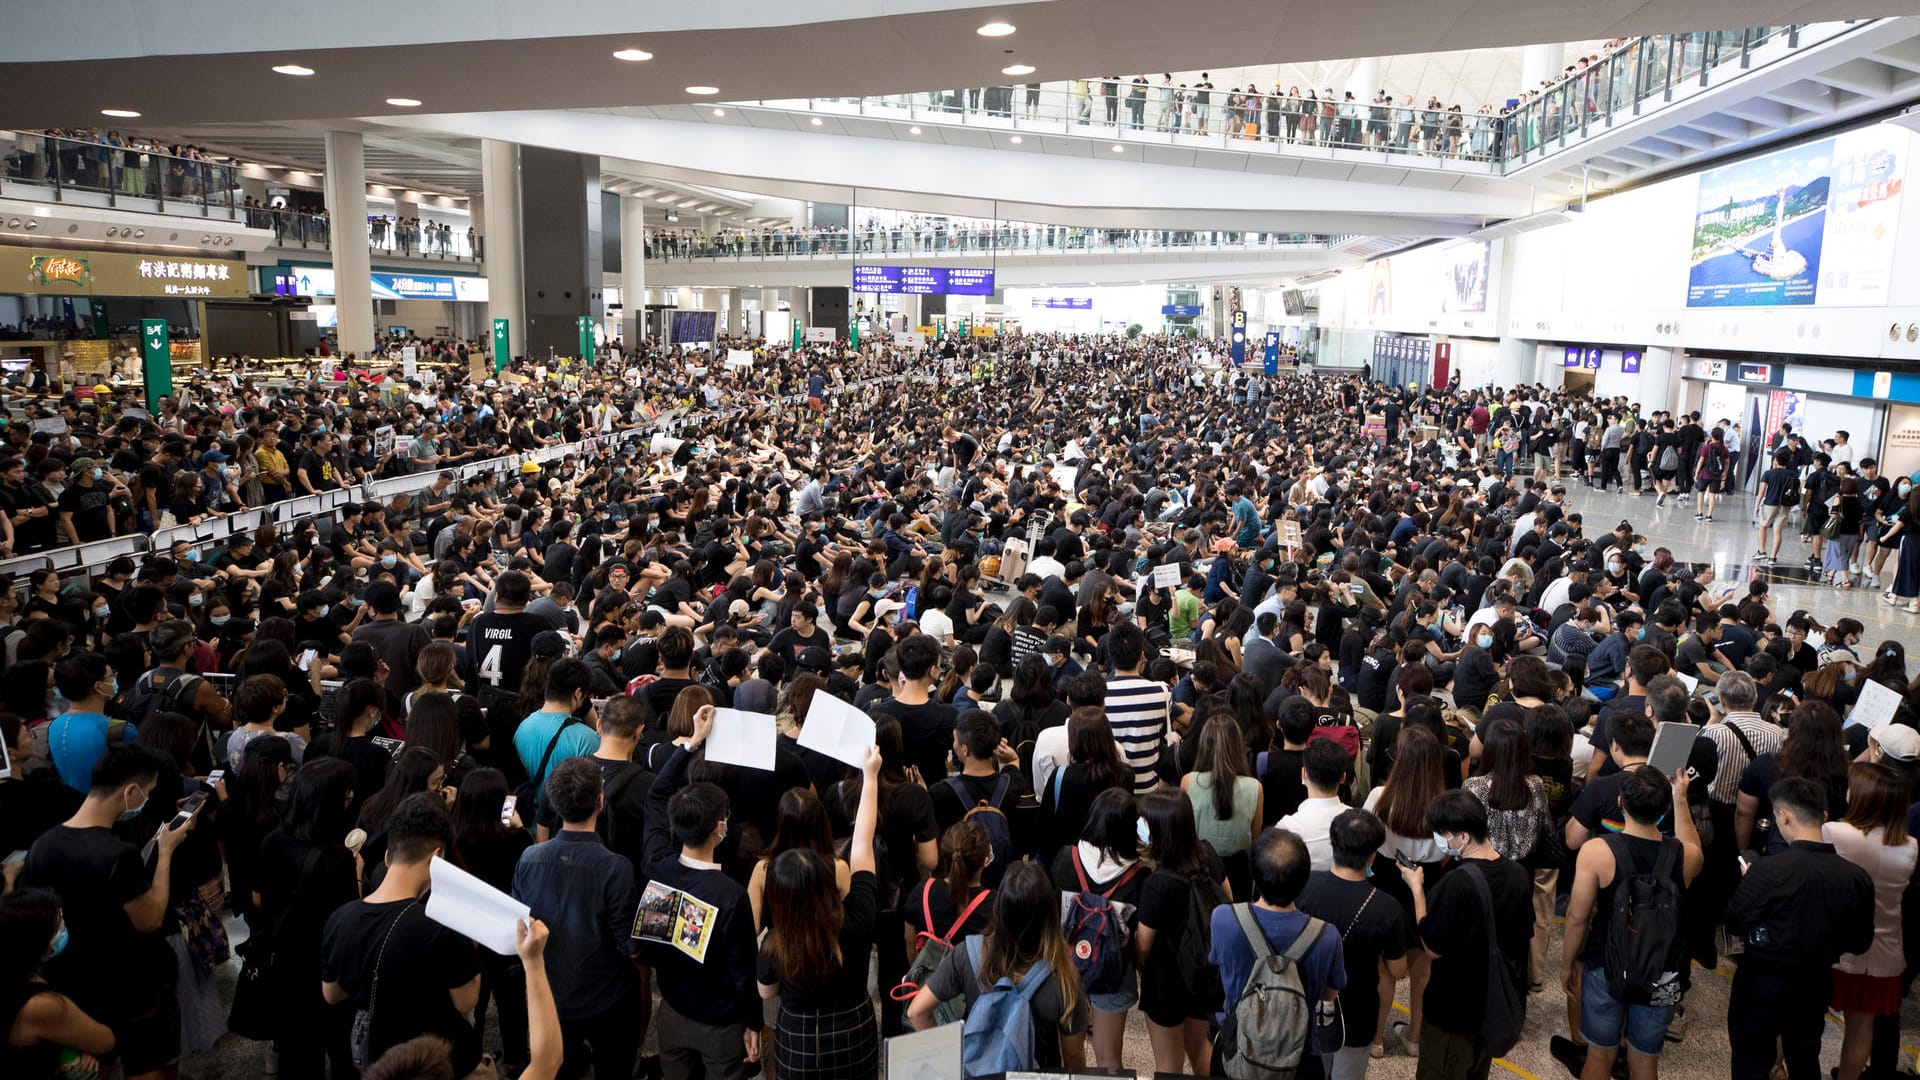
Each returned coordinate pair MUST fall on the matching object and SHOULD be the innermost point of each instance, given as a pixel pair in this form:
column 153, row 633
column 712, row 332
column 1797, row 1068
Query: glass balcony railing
column 935, row 239
column 130, row 178
column 296, row 229
column 1634, row 78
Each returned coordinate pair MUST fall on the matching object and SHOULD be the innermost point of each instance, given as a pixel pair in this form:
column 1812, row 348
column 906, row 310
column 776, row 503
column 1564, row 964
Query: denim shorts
column 1602, row 1018
column 1120, row 1000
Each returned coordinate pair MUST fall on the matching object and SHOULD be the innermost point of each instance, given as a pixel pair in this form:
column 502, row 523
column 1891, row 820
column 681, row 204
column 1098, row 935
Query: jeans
column 1349, row 1064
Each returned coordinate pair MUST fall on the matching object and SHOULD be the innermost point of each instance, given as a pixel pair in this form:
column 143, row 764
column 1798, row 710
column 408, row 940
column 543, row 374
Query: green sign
column 797, row 331
column 584, row 324
column 853, row 335
column 156, row 362
column 502, row 354
column 98, row 311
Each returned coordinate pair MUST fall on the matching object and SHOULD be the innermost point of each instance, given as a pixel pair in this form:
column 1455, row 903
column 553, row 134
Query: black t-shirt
column 906, row 822
column 319, row 471
column 498, row 645
column 1455, row 929
column 927, row 729
column 95, row 873
column 88, row 505
column 1281, row 783
column 787, row 645
column 621, row 819
column 932, row 896
column 1373, row 927
column 416, row 967
column 1017, row 804
column 846, row 987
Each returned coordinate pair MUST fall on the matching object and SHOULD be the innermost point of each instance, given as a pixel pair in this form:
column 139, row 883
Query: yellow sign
column 924, row 331
column 983, row 331
column 113, row 273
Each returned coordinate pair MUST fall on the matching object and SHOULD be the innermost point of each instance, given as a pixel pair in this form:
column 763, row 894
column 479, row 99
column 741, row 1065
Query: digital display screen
column 923, row 280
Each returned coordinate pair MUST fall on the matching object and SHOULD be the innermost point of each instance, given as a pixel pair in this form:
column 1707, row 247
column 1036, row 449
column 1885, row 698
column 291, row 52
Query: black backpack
column 1790, row 490
column 1506, row 1005
column 1199, row 979
column 1644, row 949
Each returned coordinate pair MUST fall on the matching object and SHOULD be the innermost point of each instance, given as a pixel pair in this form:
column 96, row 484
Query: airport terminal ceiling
column 502, row 55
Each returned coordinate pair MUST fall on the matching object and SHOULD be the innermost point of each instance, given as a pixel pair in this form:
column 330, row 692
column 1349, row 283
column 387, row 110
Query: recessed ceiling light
column 632, row 56
column 292, row 69
column 1015, row 140
column 913, row 131
column 719, row 112
column 703, row 89
column 995, row 29
column 404, row 102
column 1117, row 148
column 1017, row 69
column 123, row 114
column 817, row 121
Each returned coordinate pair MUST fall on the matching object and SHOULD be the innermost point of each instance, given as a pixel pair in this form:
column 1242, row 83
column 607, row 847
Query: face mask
column 389, row 560
column 1640, row 549
column 1905, row 488
column 196, row 600
column 98, row 473
column 322, row 613
column 115, row 692
column 193, row 556
column 1140, row 830
column 1614, row 567
column 134, row 812
column 1485, row 641
column 1642, row 635
column 101, row 611
column 59, row 941
column 1441, row 843
column 219, row 620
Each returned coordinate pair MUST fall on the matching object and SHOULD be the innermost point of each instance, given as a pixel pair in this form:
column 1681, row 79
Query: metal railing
column 131, row 178
column 934, row 239
column 1623, row 84
column 297, row 229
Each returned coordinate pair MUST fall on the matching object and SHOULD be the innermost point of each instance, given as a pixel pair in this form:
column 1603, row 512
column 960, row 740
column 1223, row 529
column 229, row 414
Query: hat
column 212, row 457
column 1897, row 741
column 1059, row 643
column 549, row 643
column 886, row 607
column 82, row 464
column 530, row 467
column 814, row 658
column 738, row 609
column 101, row 388
column 1839, row 654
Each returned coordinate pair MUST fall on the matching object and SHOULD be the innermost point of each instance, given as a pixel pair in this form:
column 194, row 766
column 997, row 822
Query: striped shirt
column 1137, row 710
column 1733, row 758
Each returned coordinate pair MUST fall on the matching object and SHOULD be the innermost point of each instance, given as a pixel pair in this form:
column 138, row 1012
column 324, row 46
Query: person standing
column 586, row 894
column 1867, row 987
column 1374, row 937
column 1798, row 913
column 1457, row 925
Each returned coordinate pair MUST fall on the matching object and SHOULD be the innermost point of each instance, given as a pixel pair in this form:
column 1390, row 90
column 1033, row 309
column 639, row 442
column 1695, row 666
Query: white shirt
column 1313, row 823
column 935, row 624
column 1046, row 566
column 1049, row 753
column 1556, row 593
column 1841, row 452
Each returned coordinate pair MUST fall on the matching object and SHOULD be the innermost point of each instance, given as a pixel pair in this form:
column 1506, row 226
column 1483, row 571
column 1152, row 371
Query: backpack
column 1643, row 935
column 931, row 949
column 1096, row 930
column 1716, row 460
column 1345, row 736
column 1790, row 490
column 159, row 691
column 998, row 1035
column 1266, row 1032
column 994, row 820
column 1199, row 980
column 1669, row 460
column 1506, row 1006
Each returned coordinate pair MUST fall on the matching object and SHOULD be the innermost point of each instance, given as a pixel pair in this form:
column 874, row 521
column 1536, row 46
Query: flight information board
column 925, row 280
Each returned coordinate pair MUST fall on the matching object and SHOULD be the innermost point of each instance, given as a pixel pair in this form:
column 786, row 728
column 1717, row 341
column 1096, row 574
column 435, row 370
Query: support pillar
column 1364, row 83
column 633, row 271
column 1541, row 63
column 346, row 191
column 500, row 179
column 736, row 317
column 561, row 253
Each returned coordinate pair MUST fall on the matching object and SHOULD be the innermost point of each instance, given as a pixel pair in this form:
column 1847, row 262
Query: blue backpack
column 998, row 1034
column 993, row 819
column 1096, row 931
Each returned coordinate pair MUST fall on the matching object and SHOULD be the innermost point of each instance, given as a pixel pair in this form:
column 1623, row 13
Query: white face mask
column 1440, row 842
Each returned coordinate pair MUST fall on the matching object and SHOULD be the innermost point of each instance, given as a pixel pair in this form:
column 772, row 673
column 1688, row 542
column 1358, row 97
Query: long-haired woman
column 1022, row 941
column 38, row 1023
column 1873, row 836
column 1096, row 764
column 1815, row 749
column 1419, row 776
column 1185, row 871
column 1227, row 799
column 489, row 848
column 800, row 823
column 1517, row 809
column 814, row 958
column 1105, row 860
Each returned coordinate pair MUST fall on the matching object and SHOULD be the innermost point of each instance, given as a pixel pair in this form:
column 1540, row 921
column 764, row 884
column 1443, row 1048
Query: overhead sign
column 100, row 273
column 820, row 334
column 923, row 280
column 1630, row 362
column 1180, row 311
column 1073, row 303
column 318, row 281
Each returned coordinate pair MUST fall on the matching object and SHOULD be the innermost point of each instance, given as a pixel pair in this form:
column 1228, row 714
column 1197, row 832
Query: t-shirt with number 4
column 498, row 646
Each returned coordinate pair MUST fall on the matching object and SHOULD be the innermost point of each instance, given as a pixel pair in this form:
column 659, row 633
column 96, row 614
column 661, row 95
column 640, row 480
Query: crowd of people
column 1227, row 700
column 127, row 164
column 931, row 233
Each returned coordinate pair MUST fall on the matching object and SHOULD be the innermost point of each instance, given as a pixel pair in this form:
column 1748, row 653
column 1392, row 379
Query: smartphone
column 506, row 811
column 186, row 812
column 1401, row 858
column 307, row 658
column 1747, row 859
column 216, row 776
column 18, row 856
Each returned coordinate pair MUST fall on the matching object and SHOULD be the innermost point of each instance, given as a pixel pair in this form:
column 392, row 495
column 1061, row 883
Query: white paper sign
column 837, row 729
column 933, row 1054
column 1166, row 576
column 819, row 334
column 52, row 425
column 742, row 738
column 1875, row 707
column 664, row 445
column 739, row 358
column 464, row 903
column 1691, row 682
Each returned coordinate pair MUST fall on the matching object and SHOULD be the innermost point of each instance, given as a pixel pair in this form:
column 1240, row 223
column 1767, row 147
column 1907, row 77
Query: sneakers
column 1568, row 1053
column 1697, row 517
column 1677, row 1027
column 1662, row 500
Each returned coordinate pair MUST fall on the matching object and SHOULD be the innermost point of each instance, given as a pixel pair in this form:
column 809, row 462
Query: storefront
column 1752, row 395
column 82, row 303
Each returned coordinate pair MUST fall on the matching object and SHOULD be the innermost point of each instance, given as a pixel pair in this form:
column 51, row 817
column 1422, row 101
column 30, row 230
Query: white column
column 346, row 190
column 1364, row 83
column 736, row 320
column 633, row 271
column 1540, row 63
column 506, row 298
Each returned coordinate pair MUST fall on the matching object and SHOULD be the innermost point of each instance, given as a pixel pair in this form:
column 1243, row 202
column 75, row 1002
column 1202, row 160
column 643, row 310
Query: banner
column 156, row 362
column 822, row 335
column 1239, row 339
column 59, row 272
column 584, row 324
column 853, row 334
column 501, row 352
column 1270, row 357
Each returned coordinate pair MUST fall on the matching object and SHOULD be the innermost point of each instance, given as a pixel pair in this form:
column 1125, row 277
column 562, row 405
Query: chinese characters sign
column 104, row 273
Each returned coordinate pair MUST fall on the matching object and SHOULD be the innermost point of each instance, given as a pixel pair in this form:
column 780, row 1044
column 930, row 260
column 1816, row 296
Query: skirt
column 1875, row 995
column 829, row 1045
column 1906, row 582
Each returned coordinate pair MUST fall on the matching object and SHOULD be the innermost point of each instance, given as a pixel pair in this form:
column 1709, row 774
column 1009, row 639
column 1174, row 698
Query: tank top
column 1231, row 835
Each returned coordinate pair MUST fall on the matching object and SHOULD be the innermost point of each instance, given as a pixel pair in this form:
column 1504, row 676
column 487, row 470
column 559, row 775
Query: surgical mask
column 130, row 814
column 1642, row 635
column 193, row 556
column 1140, row 830
column 1485, row 641
column 196, row 600
column 322, row 613
column 389, row 560
column 1614, row 567
column 1905, row 487
column 98, row 473
column 101, row 611
column 1440, row 842
column 59, row 941
column 219, row 620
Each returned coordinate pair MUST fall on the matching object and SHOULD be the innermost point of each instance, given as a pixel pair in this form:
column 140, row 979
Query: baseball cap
column 1840, row 654
column 549, row 643
column 1897, row 741
column 884, row 608
column 212, row 457
column 814, row 658
column 1059, row 643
